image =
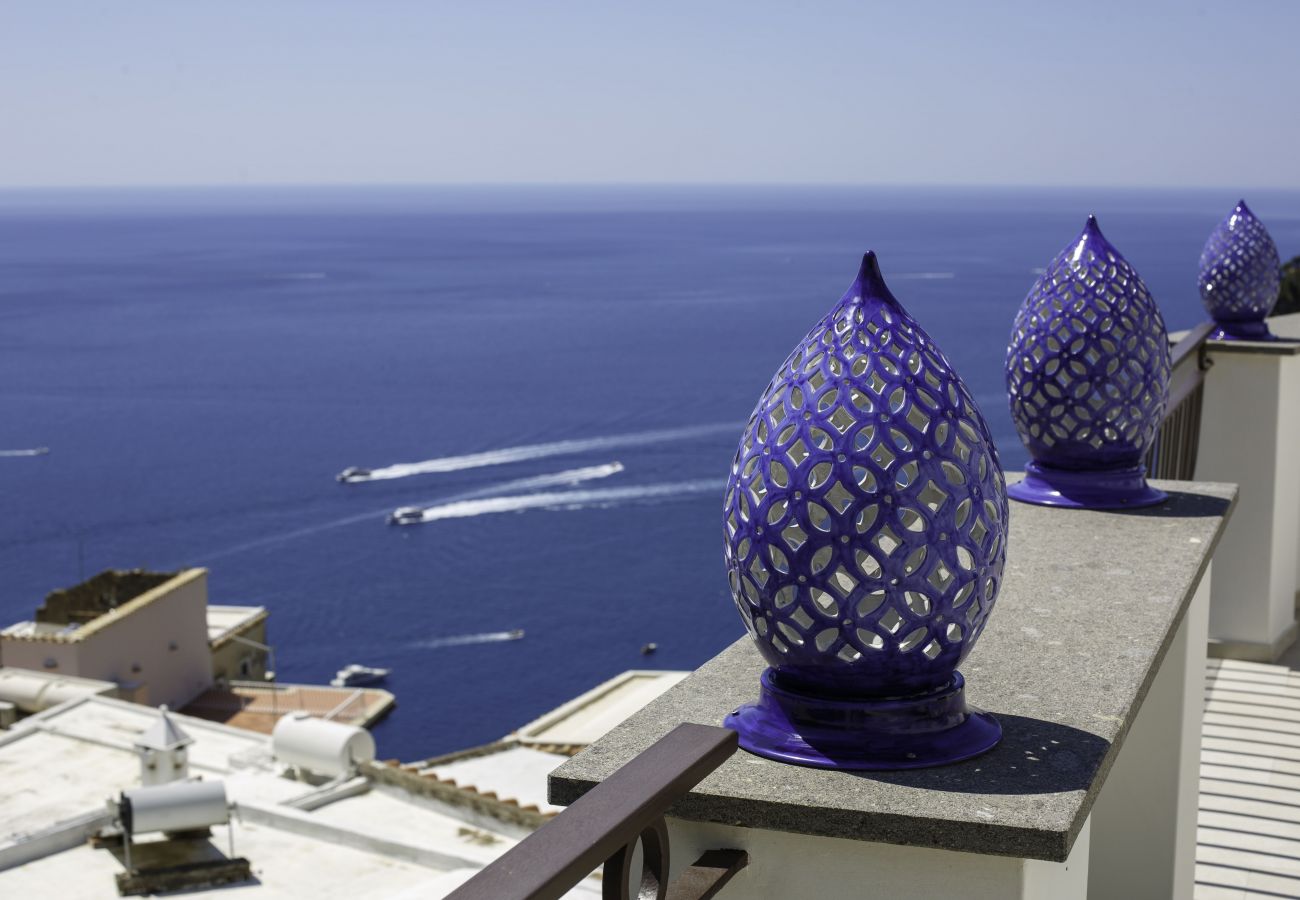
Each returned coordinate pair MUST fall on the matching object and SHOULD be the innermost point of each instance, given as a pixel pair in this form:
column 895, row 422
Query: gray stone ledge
column 1286, row 346
column 1089, row 605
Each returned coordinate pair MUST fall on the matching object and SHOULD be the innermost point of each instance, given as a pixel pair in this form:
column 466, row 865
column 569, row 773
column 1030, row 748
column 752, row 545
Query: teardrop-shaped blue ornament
column 1087, row 374
column 1240, row 277
column 865, row 530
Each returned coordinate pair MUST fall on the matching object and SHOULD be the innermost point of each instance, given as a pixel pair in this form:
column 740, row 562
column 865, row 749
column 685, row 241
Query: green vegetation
column 1288, row 301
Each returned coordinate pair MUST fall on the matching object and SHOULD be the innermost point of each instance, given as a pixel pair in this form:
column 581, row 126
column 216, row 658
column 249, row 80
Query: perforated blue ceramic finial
column 1240, row 277
column 1088, row 378
column 865, row 526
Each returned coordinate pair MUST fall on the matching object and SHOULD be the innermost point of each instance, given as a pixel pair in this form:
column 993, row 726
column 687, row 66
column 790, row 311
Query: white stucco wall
column 160, row 645
column 1250, row 423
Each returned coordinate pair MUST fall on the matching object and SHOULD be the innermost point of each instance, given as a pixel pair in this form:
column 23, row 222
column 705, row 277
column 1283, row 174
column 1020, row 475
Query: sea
column 558, row 376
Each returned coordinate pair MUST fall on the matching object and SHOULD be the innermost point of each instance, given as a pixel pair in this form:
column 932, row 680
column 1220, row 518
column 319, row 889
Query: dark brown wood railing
column 605, row 824
column 1173, row 453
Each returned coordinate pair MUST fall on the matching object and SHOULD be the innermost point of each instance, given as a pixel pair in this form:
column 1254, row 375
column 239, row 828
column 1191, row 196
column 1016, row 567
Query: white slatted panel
column 1248, row 835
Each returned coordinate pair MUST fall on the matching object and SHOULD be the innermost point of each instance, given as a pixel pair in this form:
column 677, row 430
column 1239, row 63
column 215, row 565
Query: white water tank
column 33, row 691
column 179, row 806
column 319, row 746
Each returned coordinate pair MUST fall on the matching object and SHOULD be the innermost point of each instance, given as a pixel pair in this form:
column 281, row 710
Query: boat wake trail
column 489, row 637
column 35, row 451
column 552, row 479
column 464, row 509
column 532, row 451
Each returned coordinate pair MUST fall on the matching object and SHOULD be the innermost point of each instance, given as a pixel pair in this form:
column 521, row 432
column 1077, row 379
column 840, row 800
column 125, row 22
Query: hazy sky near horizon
column 160, row 92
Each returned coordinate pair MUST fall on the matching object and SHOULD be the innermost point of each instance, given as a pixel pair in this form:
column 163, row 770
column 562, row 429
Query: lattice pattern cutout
column 1088, row 364
column 1240, row 273
column 865, row 514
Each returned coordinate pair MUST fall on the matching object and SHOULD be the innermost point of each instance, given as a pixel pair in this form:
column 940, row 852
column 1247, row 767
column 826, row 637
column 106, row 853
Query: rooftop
column 370, row 839
column 257, row 706
column 226, row 621
column 75, row 613
column 514, row 775
column 586, row 717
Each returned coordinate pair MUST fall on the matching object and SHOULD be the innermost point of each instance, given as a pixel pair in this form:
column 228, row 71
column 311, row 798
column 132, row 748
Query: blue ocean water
column 203, row 362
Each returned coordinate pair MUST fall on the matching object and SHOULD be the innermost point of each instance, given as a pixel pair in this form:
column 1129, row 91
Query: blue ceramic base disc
column 930, row 729
column 1090, row 489
column 1253, row 330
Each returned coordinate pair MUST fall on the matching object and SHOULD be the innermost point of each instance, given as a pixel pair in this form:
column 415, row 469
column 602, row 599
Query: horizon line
column 749, row 185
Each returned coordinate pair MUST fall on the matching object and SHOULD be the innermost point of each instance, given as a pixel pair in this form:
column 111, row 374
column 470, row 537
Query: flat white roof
column 70, row 759
column 517, row 775
column 383, row 843
column 586, row 718
column 286, row 865
column 46, row 779
column 37, row 629
column 223, row 620
column 116, row 725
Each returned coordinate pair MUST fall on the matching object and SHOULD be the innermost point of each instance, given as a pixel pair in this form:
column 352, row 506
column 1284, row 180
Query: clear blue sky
column 126, row 92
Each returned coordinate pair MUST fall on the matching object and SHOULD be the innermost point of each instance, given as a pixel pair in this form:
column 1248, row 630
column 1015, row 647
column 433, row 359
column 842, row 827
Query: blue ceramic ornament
column 865, row 527
column 1240, row 277
column 1088, row 378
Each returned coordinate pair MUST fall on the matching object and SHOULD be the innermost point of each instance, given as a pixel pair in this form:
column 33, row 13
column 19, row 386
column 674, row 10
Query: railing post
column 1288, row 328
column 1144, row 820
column 1250, row 429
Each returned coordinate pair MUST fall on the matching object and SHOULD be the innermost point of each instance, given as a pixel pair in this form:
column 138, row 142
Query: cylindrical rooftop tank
column 36, row 691
column 23, row 690
column 61, row 690
column 319, row 746
column 179, row 806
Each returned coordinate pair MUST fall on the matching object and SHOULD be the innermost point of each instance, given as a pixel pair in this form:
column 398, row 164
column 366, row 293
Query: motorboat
column 406, row 515
column 357, row 675
column 352, row 473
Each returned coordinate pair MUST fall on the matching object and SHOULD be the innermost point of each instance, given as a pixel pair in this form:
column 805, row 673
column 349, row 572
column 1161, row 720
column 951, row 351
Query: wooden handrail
column 604, row 821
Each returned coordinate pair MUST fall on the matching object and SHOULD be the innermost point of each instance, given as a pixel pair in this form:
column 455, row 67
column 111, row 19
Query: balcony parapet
column 1249, row 427
column 1093, row 617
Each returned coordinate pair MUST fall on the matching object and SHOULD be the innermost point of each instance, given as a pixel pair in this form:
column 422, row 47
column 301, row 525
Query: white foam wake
column 551, row 479
column 35, row 451
column 536, row 451
column 465, row 509
column 489, row 637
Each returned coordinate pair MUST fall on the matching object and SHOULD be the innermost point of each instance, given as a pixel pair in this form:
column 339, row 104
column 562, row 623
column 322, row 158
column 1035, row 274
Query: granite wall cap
column 1283, row 346
column 1090, row 603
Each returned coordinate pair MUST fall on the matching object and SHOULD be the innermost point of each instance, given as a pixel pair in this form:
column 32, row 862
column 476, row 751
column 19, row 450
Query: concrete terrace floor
column 259, row 707
column 1248, row 835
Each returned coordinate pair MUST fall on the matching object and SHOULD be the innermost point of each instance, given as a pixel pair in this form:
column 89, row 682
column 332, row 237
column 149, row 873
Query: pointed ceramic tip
column 869, row 271
column 1243, row 208
column 870, row 283
column 1089, row 240
column 1091, row 231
